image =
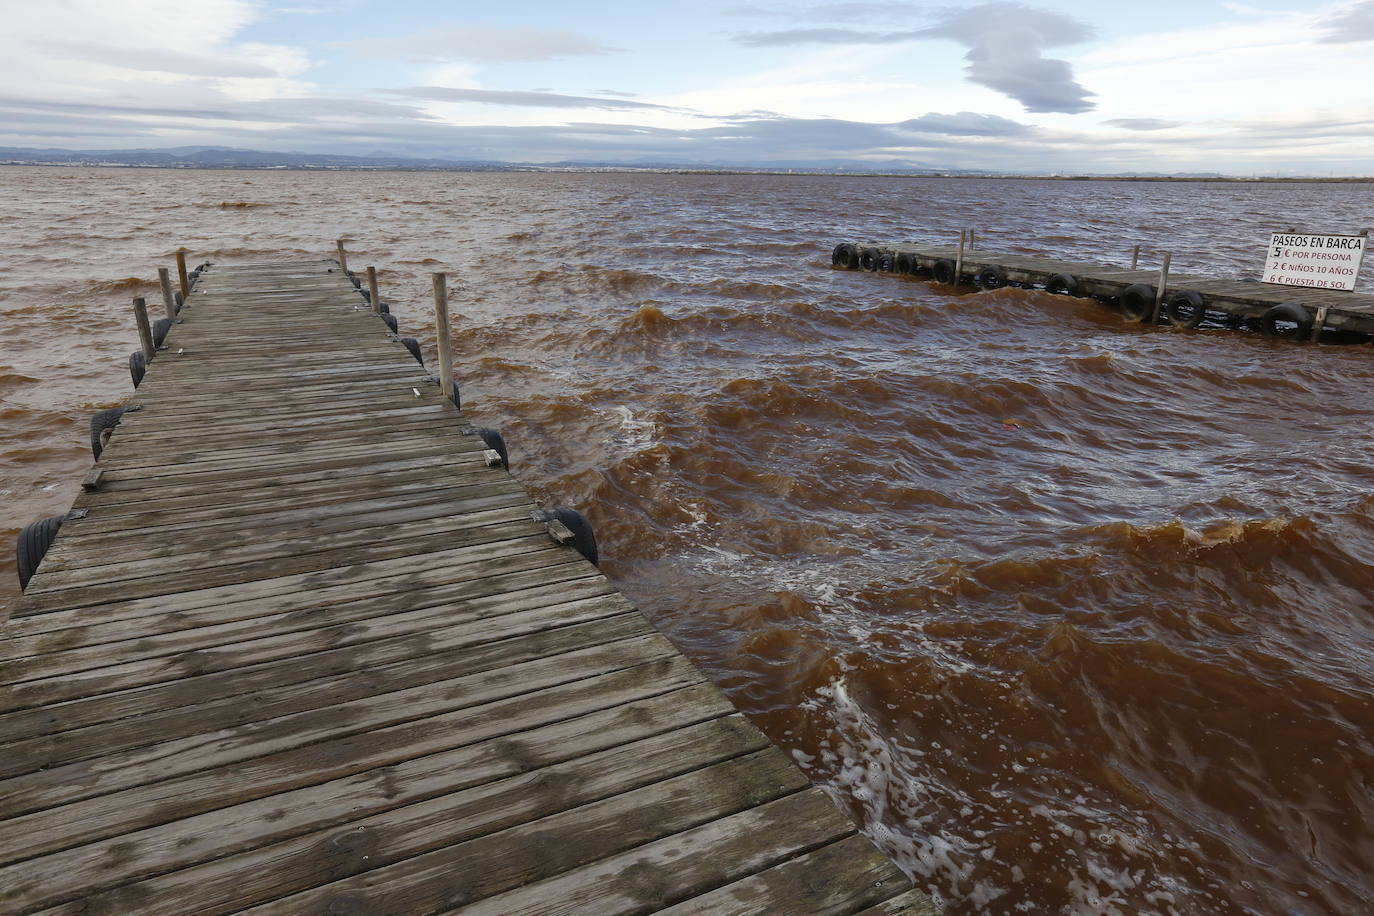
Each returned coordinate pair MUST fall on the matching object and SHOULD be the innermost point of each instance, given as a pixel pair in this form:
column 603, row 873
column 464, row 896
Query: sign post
column 1318, row 261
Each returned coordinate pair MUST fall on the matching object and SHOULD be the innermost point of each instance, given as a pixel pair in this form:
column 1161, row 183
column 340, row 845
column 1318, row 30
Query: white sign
column 1322, row 261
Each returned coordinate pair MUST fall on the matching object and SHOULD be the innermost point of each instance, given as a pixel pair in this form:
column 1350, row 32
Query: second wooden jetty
column 305, row 646
column 1185, row 300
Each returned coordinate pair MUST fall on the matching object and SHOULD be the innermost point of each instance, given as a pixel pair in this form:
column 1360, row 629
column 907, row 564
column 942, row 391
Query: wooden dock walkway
column 1332, row 310
column 307, row 652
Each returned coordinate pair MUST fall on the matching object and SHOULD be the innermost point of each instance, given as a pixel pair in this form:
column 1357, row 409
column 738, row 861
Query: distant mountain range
column 220, row 157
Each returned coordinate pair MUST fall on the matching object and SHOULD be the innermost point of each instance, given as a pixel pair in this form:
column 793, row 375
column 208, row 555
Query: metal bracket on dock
column 556, row 529
column 76, row 514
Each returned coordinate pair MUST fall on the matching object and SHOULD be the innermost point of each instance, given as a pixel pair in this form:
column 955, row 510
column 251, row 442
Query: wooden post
column 169, row 303
column 1318, row 323
column 343, row 256
column 441, row 332
column 145, row 331
column 182, row 278
column 1135, row 257
column 372, row 289
column 959, row 259
column 1159, row 293
column 970, row 241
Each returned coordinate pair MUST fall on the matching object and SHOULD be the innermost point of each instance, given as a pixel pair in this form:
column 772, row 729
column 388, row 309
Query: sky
column 1173, row 86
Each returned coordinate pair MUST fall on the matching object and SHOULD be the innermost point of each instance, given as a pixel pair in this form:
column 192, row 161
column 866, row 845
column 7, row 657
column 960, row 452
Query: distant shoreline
column 669, row 170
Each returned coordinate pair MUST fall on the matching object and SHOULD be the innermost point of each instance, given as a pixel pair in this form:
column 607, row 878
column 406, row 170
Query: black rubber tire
column 103, row 423
column 842, row 255
column 33, row 544
column 496, row 442
column 353, row 278
column 367, row 295
column 1185, row 308
column 903, row 264
column 390, row 320
column 457, row 396
column 1062, row 285
column 1287, row 311
column 160, row 329
column 991, row 277
column 137, row 368
column 583, row 538
column 1138, row 301
column 868, row 258
column 943, row 271
column 887, row 263
column 179, row 299
column 383, row 308
column 413, row 345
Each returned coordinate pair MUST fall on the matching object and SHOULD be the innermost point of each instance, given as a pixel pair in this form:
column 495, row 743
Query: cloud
column 966, row 124
column 1353, row 23
column 826, row 37
column 1142, row 123
column 521, row 98
column 489, row 45
column 1006, row 41
column 1005, row 44
column 164, row 60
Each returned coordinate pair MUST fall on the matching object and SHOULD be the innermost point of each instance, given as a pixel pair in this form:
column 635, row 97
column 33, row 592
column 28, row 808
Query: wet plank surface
column 305, row 652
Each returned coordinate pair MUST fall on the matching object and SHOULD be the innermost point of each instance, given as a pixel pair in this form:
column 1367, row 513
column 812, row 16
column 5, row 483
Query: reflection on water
column 1072, row 614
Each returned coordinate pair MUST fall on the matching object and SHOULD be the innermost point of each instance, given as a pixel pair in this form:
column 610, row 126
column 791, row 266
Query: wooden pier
column 301, row 648
column 1306, row 312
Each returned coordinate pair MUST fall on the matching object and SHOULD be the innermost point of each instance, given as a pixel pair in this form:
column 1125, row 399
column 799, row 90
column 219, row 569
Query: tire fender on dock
column 137, row 367
column 496, row 442
column 1138, row 301
column 991, row 277
column 869, row 258
column 943, row 271
column 843, row 255
column 1062, row 285
column 1287, row 311
column 413, row 345
column 103, row 423
column 583, row 537
column 1185, row 308
column 390, row 320
column 33, row 544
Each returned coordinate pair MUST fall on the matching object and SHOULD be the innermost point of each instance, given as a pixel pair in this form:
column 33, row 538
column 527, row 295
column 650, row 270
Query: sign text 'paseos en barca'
column 1321, row 261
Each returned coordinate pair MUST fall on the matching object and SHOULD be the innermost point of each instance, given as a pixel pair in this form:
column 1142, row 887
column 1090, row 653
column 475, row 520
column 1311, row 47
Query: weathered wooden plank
column 385, row 705
column 48, row 682
column 418, row 806
column 439, row 724
column 912, row 903
column 640, row 879
column 841, row 878
column 760, row 794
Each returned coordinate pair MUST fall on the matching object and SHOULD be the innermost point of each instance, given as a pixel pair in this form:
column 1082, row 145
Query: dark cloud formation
column 1354, row 23
column 1005, row 41
column 487, row 45
column 1142, row 123
column 523, row 98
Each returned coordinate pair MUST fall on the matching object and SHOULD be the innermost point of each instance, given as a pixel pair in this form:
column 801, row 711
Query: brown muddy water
column 1073, row 614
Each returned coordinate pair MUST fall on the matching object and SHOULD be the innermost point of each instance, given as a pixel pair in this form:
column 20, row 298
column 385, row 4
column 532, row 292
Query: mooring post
column 372, row 289
column 441, row 332
column 145, row 331
column 182, row 278
column 1318, row 322
column 959, row 259
column 1135, row 257
column 970, row 241
column 343, row 256
column 1159, row 292
column 169, row 302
